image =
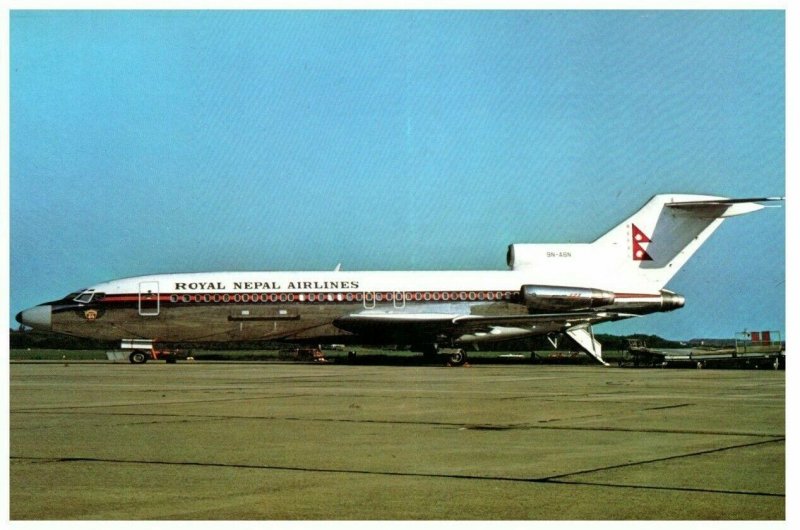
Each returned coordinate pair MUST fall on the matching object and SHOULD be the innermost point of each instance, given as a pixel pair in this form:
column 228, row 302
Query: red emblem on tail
column 638, row 237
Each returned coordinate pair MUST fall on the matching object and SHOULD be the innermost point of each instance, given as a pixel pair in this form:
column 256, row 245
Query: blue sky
column 146, row 142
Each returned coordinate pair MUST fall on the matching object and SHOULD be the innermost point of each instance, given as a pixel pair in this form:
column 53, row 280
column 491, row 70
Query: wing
column 439, row 327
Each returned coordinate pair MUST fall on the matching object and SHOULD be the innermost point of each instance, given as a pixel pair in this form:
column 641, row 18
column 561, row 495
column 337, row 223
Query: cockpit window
column 85, row 297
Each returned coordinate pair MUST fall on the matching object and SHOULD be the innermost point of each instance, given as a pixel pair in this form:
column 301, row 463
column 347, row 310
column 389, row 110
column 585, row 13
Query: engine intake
column 550, row 298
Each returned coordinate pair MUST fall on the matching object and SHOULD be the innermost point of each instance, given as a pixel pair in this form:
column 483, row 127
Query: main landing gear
column 454, row 356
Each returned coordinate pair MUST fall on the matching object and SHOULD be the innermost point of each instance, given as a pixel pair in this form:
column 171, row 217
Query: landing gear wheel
column 457, row 358
column 138, row 357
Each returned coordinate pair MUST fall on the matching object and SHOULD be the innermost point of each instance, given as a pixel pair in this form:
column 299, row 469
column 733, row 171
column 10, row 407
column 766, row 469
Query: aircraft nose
column 39, row 317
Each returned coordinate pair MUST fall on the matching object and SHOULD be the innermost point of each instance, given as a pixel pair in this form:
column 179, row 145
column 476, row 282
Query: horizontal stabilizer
column 723, row 201
column 722, row 208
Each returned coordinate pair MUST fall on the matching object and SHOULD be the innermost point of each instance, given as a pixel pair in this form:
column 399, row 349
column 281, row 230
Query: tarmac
column 227, row 441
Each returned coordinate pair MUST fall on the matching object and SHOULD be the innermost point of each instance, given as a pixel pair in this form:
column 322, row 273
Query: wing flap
column 584, row 337
column 433, row 325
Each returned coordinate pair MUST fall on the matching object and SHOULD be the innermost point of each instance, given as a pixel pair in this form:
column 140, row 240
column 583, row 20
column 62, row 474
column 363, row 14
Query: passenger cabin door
column 149, row 300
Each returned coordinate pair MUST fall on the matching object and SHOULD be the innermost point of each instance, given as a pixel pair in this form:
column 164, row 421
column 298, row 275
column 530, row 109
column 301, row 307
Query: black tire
column 457, row 358
column 138, row 357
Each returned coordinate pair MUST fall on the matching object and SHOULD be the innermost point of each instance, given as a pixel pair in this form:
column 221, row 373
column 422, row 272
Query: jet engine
column 550, row 298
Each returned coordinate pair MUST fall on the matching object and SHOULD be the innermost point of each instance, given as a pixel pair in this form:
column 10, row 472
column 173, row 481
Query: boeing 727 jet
column 547, row 289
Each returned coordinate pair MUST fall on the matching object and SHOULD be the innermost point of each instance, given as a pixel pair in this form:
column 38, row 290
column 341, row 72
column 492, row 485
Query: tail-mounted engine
column 548, row 298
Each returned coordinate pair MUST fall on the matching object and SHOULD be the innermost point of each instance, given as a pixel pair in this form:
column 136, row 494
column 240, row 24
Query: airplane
column 548, row 289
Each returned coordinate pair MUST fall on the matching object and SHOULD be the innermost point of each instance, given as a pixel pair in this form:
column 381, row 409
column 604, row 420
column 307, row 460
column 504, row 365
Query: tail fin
column 644, row 252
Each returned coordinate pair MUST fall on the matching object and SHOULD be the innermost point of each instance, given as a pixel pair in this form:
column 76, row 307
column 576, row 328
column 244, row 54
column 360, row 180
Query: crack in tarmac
column 553, row 479
column 458, row 425
column 671, row 406
column 666, row 458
